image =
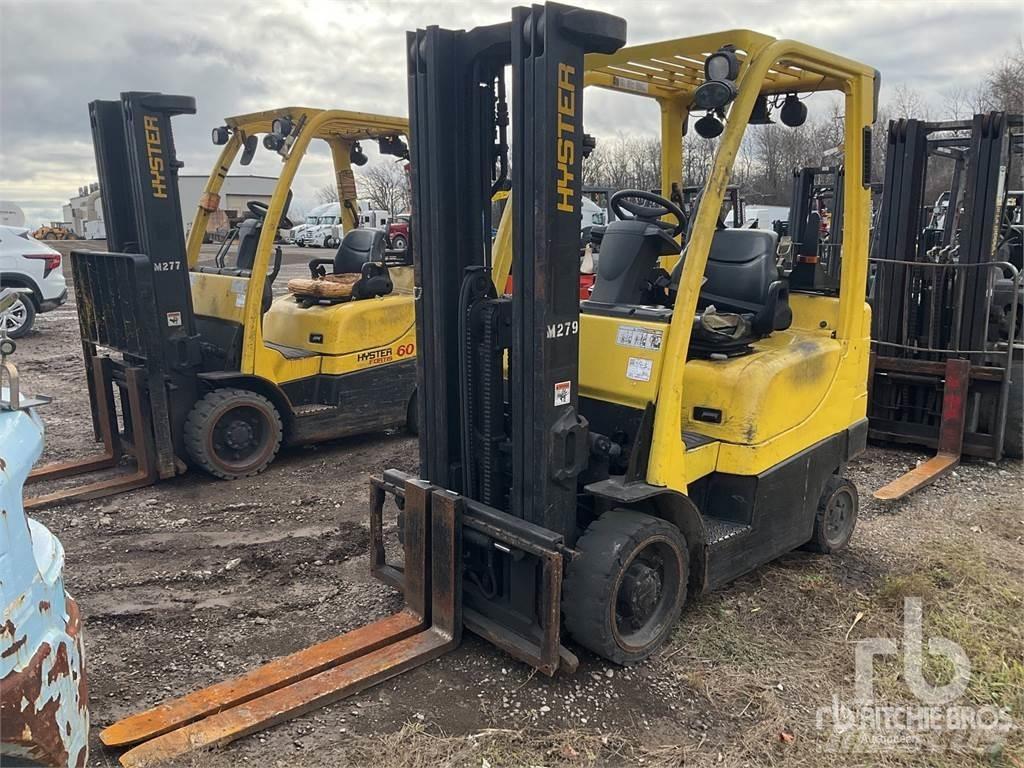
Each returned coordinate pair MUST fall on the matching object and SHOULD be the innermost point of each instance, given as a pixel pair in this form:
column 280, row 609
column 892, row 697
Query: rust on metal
column 323, row 674
column 951, row 436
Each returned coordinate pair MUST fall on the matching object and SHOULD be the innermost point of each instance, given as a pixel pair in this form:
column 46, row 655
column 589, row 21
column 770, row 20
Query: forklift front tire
column 626, row 587
column 836, row 517
column 233, row 433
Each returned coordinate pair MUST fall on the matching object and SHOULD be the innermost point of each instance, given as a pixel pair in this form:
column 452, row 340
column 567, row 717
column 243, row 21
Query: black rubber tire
column 202, row 422
column 591, row 587
column 412, row 415
column 832, row 535
column 1013, row 435
column 399, row 243
column 28, row 307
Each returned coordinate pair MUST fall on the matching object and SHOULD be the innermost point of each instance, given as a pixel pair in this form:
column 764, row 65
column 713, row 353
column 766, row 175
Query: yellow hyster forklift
column 210, row 371
column 586, row 466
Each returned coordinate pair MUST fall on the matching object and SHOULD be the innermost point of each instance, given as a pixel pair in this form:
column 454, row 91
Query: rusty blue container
column 43, row 690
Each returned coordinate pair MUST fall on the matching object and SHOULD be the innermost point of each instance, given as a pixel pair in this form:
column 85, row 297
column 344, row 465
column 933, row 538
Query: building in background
column 83, row 214
column 11, row 214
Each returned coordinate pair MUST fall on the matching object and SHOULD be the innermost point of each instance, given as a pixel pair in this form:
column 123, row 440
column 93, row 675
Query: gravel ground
column 193, row 580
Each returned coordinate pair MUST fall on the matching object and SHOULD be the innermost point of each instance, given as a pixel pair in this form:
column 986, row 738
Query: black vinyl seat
column 741, row 277
column 361, row 252
column 628, row 266
column 358, row 247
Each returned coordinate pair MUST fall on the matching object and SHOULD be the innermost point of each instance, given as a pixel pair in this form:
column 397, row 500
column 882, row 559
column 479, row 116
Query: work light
column 793, row 112
column 722, row 64
column 760, row 115
column 709, row 126
column 282, row 126
column 714, row 94
column 221, row 136
column 356, row 156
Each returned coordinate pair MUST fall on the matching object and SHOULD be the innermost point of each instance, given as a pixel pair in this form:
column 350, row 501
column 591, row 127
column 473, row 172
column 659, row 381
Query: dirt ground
column 194, row 580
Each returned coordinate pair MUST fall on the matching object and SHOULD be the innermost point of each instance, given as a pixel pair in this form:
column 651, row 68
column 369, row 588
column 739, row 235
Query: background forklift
column 208, row 370
column 946, row 294
column 587, row 465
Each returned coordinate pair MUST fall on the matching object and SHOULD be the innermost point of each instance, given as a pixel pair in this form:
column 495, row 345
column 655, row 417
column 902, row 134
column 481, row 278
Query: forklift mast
column 517, row 448
column 138, row 172
column 136, row 300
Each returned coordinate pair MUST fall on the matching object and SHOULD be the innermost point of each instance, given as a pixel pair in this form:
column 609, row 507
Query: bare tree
column 327, row 194
column 385, row 186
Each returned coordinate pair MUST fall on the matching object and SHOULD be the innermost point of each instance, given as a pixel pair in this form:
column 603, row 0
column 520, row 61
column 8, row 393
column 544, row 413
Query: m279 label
column 561, row 330
column 638, row 338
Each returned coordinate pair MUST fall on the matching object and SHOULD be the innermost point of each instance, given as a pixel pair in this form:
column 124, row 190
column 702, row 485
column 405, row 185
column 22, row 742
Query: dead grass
column 760, row 666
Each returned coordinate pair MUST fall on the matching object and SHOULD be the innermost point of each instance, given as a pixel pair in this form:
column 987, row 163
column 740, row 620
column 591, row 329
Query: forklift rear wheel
column 836, row 517
column 624, row 590
column 233, row 433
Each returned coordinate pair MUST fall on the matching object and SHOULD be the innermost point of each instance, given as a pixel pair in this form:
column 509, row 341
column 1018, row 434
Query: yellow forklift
column 585, row 467
column 209, row 370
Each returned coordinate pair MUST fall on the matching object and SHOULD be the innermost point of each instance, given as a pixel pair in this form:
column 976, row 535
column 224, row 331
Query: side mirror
column 251, row 142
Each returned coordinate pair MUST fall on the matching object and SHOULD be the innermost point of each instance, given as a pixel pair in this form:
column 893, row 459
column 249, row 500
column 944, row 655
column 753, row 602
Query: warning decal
column 639, row 369
column 639, row 338
column 563, row 393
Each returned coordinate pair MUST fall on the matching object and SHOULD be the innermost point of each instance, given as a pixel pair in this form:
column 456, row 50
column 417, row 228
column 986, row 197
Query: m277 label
column 638, row 338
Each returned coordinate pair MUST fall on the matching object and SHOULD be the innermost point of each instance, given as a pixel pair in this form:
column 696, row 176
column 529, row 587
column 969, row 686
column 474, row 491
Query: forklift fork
column 429, row 626
column 951, row 436
column 137, row 414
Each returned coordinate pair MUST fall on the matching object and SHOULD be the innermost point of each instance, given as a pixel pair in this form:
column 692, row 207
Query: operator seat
column 741, row 277
column 361, row 253
column 627, row 272
column 248, row 239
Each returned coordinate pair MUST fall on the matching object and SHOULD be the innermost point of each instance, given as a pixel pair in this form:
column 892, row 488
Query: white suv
column 28, row 264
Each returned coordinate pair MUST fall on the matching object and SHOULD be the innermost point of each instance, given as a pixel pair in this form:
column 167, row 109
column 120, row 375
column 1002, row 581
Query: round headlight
column 273, row 142
column 220, row 136
column 714, row 94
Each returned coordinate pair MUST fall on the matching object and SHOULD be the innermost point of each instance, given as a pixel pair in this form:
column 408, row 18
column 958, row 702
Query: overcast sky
column 235, row 57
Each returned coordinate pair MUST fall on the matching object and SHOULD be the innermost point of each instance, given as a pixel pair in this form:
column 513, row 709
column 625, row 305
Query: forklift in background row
column 947, row 339
column 210, row 372
column 585, row 467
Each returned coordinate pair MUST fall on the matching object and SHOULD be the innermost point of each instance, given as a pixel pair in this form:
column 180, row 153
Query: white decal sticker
column 629, row 84
column 639, row 338
column 639, row 369
column 560, row 330
column 239, row 299
column 174, row 319
column 563, row 393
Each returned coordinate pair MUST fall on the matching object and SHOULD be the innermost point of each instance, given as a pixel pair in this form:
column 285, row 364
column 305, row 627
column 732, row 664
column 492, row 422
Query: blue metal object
column 43, row 694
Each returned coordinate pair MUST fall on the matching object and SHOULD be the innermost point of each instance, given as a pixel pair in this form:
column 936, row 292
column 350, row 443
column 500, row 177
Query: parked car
column 398, row 231
column 31, row 265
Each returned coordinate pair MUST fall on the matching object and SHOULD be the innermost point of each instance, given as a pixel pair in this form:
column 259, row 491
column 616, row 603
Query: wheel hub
column 639, row 593
column 838, row 512
column 238, row 435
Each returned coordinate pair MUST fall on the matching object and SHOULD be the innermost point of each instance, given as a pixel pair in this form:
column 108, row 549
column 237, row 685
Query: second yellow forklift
column 209, row 370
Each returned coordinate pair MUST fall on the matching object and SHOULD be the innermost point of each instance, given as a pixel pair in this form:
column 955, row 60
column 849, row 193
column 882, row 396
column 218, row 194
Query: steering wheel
column 259, row 209
column 659, row 206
